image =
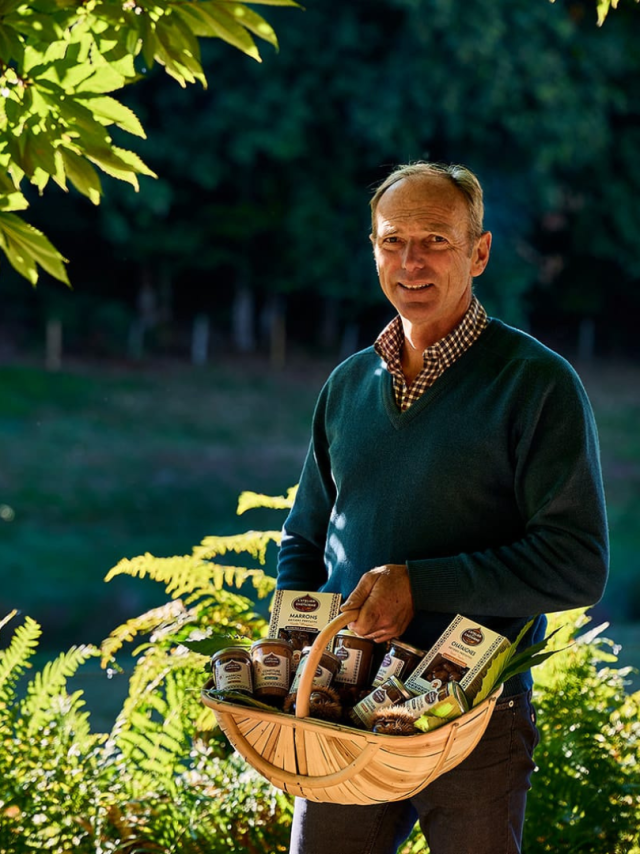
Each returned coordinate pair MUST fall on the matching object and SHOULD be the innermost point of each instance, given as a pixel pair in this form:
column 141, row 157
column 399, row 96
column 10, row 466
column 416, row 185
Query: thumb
column 357, row 597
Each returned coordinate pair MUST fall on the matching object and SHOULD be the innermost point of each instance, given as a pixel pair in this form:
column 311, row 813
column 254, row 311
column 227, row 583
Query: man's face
column 424, row 255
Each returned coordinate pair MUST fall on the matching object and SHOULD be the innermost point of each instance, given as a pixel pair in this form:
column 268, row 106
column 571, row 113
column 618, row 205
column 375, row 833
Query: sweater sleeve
column 301, row 555
column 561, row 561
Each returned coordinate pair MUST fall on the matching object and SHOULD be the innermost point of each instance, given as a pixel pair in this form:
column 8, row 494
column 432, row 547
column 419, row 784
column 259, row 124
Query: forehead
column 427, row 202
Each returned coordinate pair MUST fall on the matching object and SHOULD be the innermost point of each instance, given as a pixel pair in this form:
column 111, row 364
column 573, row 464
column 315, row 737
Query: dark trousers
column 477, row 808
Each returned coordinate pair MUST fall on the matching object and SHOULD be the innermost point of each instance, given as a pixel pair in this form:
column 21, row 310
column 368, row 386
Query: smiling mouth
column 420, row 287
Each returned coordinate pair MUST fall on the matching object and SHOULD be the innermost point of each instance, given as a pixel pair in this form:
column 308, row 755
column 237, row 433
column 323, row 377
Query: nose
column 412, row 256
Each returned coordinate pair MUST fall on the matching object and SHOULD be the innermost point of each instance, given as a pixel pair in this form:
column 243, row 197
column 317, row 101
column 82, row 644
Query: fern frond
column 253, row 500
column 157, row 732
column 167, row 570
column 206, row 720
column 51, row 682
column 15, row 659
column 171, row 612
column 8, row 618
column 254, row 543
column 189, row 574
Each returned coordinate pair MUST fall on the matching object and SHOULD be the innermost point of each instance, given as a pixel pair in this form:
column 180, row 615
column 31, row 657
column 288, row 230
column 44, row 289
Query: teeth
column 414, row 287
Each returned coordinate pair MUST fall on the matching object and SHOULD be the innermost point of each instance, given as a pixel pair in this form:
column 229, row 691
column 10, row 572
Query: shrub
column 165, row 781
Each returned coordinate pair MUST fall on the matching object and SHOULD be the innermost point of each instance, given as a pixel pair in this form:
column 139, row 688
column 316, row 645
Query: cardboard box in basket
column 299, row 616
column 463, row 653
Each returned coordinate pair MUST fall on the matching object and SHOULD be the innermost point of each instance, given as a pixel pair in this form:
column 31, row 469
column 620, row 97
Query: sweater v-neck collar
column 401, row 419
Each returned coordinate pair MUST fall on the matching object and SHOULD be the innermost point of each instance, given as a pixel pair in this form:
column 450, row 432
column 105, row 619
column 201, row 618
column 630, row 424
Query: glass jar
column 390, row 693
column 231, row 668
column 325, row 671
column 271, row 659
column 355, row 654
column 400, row 661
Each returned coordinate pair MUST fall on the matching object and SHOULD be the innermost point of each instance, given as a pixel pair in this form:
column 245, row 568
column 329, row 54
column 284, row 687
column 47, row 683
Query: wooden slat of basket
column 284, row 755
column 389, row 777
column 301, row 751
column 265, row 744
column 322, row 758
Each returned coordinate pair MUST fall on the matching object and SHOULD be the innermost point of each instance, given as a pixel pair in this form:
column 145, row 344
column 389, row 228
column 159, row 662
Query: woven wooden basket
column 331, row 763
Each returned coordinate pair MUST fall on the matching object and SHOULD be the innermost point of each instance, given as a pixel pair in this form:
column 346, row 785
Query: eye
column 390, row 239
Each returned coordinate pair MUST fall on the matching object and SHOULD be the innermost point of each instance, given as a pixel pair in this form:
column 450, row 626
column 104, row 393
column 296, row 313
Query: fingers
column 384, row 598
column 361, row 592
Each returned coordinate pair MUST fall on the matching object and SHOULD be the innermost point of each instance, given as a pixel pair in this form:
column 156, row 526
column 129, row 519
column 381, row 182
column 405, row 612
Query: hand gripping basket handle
column 313, row 659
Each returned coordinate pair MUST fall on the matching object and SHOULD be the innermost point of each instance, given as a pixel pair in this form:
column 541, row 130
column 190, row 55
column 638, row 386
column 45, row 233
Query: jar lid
column 230, row 650
column 332, row 656
column 278, row 641
column 398, row 643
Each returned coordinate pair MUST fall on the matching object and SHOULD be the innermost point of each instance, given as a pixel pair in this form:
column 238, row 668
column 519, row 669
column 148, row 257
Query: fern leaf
column 189, row 574
column 253, row 500
column 254, row 543
column 15, row 659
column 51, row 682
column 167, row 570
column 206, row 720
column 8, row 618
column 146, row 622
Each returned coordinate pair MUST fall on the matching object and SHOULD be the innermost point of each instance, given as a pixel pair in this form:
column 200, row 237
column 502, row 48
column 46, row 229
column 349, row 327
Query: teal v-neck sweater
column 488, row 488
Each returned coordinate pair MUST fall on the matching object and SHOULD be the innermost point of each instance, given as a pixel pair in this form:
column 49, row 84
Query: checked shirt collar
column 436, row 359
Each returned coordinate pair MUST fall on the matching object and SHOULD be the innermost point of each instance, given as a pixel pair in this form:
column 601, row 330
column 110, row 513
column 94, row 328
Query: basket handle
column 314, row 656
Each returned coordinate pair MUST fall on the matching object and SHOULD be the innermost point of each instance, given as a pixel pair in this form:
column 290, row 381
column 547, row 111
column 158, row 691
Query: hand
column 384, row 598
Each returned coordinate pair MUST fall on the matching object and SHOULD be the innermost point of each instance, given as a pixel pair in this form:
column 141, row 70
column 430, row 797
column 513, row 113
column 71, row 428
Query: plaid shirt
column 436, row 359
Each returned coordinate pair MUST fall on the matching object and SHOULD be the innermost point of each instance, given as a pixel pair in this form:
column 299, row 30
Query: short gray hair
column 459, row 176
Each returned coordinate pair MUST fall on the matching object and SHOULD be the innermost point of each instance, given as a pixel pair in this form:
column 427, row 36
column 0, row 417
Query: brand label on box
column 462, row 654
column 299, row 616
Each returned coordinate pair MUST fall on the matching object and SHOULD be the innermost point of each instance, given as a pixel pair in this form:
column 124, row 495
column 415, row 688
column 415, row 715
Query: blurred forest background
column 208, row 308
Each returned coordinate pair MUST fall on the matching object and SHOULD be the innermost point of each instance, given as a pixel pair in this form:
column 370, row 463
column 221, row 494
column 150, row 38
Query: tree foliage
column 60, row 63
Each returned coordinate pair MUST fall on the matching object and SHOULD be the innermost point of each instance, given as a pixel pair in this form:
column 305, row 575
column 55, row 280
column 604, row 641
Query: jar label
column 233, row 676
column 350, row 663
column 272, row 671
column 389, row 666
column 322, row 678
column 366, row 708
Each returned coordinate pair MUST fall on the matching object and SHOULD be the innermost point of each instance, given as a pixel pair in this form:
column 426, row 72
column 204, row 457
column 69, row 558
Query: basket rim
column 328, row 728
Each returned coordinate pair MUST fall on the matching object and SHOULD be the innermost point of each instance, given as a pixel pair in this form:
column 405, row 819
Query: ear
column 480, row 254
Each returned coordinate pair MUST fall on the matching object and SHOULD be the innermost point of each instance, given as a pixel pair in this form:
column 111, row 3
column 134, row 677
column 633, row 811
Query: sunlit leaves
column 60, row 62
column 27, row 248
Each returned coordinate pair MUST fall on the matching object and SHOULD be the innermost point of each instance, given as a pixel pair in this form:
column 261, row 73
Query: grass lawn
column 103, row 461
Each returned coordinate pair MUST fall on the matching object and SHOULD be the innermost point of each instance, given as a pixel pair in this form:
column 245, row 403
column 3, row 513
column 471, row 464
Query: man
column 453, row 469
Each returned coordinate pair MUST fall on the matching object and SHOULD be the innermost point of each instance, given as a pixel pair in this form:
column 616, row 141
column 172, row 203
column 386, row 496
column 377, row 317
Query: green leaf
column 508, row 664
column 22, row 262
column 241, row 699
column 82, row 175
column 227, row 28
column 251, row 500
column 114, row 112
column 9, row 6
column 27, row 247
column 254, row 22
column 13, row 202
column 214, row 643
column 134, row 161
column 109, row 160
column 10, row 43
column 105, row 78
